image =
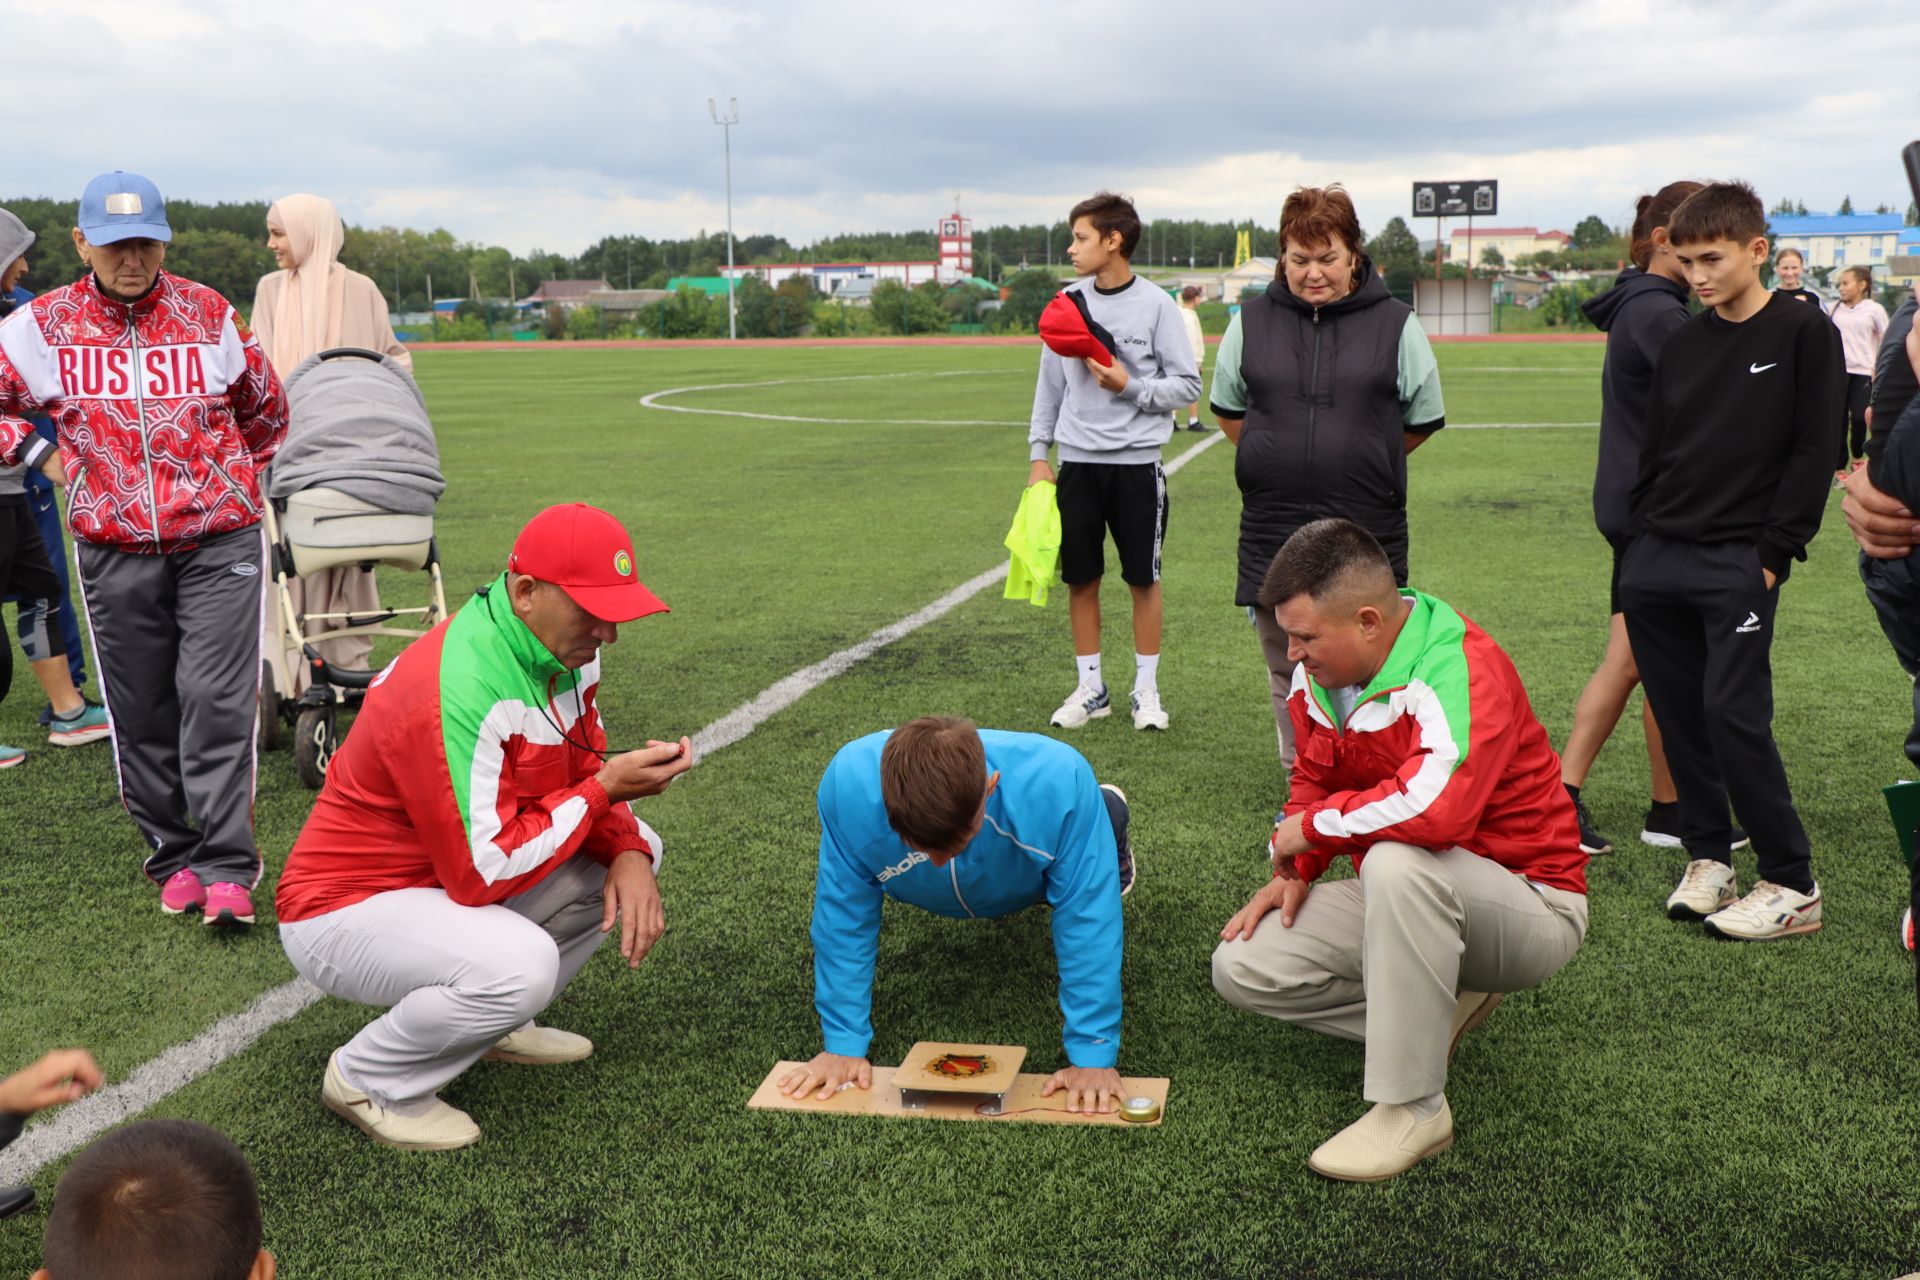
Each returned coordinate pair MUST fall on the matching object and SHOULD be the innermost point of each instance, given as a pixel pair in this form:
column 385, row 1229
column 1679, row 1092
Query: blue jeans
column 46, row 514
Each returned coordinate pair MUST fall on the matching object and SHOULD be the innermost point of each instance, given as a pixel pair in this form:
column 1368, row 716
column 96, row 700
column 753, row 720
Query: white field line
column 656, row 400
column 82, row 1121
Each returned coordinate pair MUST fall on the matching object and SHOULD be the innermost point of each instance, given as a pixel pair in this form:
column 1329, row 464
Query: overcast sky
column 551, row 124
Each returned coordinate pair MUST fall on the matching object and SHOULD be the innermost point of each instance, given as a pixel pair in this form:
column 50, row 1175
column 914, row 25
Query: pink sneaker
column 182, row 892
column 227, row 904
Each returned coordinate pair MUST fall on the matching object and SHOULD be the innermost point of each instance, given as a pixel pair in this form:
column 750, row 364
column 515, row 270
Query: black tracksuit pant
column 177, row 637
column 1700, row 619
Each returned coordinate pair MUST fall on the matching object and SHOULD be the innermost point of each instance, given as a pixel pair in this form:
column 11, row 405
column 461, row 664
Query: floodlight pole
column 726, row 124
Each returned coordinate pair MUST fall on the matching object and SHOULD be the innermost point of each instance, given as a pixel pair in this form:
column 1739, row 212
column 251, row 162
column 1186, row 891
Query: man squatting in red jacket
column 166, row 411
column 1419, row 757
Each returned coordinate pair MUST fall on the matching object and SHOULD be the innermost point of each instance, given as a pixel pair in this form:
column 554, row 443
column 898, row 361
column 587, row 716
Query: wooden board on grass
column 940, row 1067
column 1023, row 1100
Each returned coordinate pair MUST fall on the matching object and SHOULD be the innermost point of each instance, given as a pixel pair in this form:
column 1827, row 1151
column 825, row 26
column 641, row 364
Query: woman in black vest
column 1325, row 383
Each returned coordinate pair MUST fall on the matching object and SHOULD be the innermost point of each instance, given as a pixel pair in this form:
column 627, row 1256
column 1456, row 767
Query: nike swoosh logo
column 1760, row 368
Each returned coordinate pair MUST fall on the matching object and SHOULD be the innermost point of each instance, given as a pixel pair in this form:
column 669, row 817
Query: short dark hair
column 1719, row 211
column 1861, row 273
column 933, row 776
column 1109, row 213
column 1189, row 293
column 1322, row 559
column 157, row 1200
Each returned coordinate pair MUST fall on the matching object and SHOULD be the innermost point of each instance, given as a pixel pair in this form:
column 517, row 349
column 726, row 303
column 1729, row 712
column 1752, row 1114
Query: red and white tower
column 956, row 248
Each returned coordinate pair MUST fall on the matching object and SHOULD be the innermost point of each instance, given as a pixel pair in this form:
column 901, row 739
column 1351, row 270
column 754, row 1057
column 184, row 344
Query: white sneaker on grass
column 1706, row 887
column 1147, row 711
column 1085, row 703
column 1769, row 911
column 438, row 1128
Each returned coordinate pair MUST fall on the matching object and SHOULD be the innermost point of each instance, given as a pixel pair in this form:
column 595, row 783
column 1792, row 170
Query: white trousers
column 1383, row 958
column 455, row 979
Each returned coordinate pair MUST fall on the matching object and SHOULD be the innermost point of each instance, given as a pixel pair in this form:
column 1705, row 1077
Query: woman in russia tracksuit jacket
column 166, row 411
column 1326, row 383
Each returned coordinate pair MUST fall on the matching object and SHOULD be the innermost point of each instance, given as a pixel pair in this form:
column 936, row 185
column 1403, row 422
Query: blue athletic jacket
column 1046, row 838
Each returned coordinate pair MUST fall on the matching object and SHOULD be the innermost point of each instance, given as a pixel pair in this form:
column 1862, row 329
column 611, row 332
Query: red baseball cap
column 1069, row 329
column 587, row 554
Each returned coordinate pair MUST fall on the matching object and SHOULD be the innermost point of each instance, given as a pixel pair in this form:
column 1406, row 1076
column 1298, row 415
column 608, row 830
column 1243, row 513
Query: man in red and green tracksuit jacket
column 472, row 845
column 1419, row 758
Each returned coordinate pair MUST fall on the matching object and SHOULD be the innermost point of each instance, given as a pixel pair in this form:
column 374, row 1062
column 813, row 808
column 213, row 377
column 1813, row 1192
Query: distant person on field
column 61, row 1076
column 1789, row 266
column 969, row 823
column 314, row 304
column 157, row 1200
column 1646, row 304
column 475, row 841
column 1110, row 422
column 1190, row 313
column 26, row 572
column 1420, row 759
column 1326, row 384
column 1741, row 422
column 167, row 413
column 1862, row 323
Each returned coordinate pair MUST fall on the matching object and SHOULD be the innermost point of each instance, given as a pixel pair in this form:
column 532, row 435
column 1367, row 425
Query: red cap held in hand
column 1070, row 330
column 587, row 554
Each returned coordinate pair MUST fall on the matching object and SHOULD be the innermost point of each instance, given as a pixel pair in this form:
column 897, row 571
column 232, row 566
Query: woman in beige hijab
column 314, row 304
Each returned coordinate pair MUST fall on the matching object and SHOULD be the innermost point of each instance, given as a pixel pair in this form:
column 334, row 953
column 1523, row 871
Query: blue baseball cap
column 122, row 206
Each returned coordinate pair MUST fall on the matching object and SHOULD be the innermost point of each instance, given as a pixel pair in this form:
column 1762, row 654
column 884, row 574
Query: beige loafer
column 440, row 1128
column 539, row 1047
column 1382, row 1144
column 1469, row 1011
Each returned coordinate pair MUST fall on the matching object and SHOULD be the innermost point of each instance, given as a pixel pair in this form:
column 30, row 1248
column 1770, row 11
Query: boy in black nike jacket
column 1742, row 422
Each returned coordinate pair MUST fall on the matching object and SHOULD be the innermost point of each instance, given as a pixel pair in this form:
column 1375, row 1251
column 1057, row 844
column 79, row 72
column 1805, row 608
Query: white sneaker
column 440, row 1128
column 1147, row 711
column 1769, row 911
column 1083, row 704
column 539, row 1046
column 1704, row 889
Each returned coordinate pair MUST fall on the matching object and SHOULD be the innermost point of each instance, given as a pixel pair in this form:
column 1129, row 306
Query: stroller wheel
column 313, row 744
column 269, row 709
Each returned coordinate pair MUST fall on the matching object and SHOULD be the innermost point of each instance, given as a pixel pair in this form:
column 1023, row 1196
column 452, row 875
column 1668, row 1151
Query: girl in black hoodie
column 1648, row 302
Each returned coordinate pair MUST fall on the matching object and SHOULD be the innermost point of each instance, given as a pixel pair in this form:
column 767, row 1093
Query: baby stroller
column 354, row 484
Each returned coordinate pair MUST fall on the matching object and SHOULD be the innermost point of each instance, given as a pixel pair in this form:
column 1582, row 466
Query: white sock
column 1089, row 667
column 1146, row 669
column 1426, row 1108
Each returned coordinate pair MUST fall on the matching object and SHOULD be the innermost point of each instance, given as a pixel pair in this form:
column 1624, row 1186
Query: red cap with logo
column 587, row 554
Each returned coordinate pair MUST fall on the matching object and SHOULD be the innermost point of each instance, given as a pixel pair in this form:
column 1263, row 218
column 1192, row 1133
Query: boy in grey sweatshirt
column 1109, row 422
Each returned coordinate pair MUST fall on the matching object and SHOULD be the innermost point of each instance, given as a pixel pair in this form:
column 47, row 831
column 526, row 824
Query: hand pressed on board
column 1089, row 1089
column 831, row 1071
column 632, row 896
column 645, row 772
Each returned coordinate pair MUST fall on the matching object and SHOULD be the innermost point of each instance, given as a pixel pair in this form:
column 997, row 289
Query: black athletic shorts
column 1613, row 587
column 1130, row 499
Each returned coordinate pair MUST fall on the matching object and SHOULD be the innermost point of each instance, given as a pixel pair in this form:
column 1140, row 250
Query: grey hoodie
column 15, row 240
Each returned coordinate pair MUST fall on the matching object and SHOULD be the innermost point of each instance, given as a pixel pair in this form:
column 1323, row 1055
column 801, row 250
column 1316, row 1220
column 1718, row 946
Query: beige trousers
column 346, row 589
column 1383, row 958
column 1273, row 647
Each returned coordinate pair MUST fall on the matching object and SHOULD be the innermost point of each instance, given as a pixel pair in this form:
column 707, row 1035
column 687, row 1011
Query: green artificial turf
column 1665, row 1106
